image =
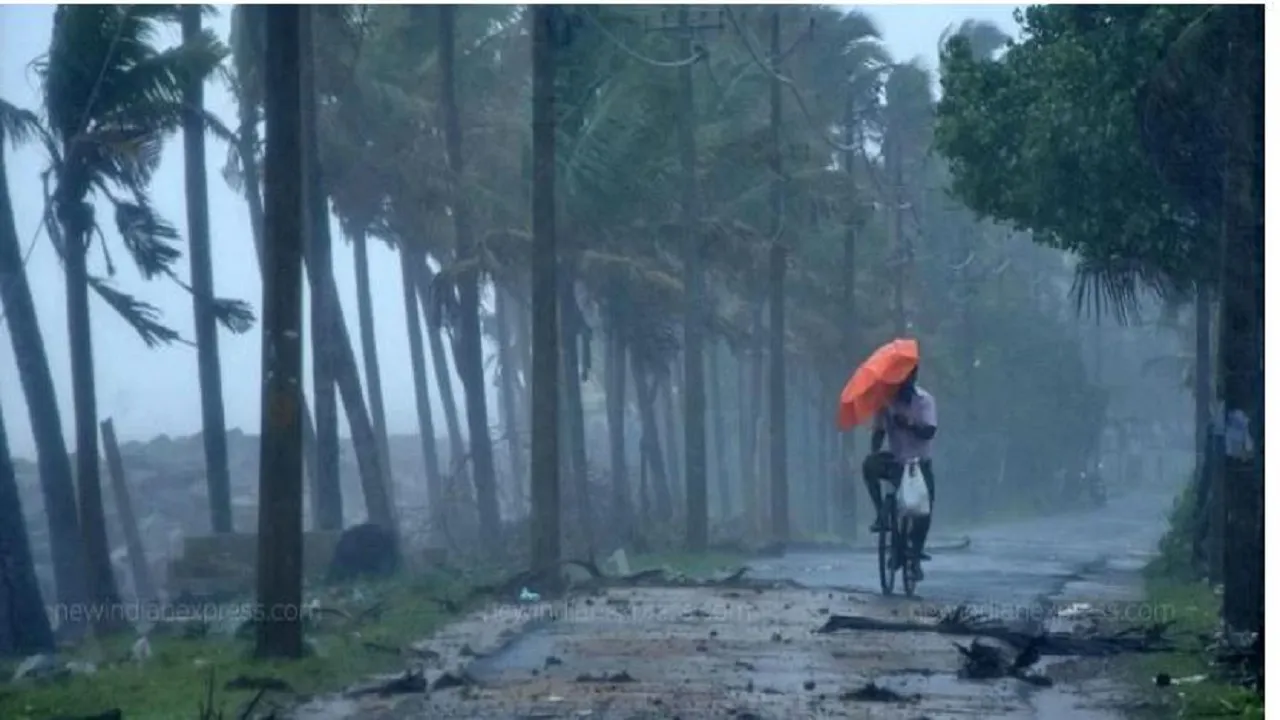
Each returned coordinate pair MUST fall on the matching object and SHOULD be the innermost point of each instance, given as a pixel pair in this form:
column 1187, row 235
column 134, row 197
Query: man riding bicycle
column 909, row 422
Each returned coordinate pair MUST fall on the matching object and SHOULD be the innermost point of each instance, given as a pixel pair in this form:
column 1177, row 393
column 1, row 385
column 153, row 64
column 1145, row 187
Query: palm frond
column 147, row 237
column 17, row 124
column 1115, row 284
column 142, row 317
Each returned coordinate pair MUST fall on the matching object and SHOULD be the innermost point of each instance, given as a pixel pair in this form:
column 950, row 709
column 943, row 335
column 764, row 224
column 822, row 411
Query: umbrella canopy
column 874, row 383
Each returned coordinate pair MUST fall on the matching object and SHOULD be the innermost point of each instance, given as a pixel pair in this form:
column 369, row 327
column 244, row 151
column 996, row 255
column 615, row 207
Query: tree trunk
column 508, row 382
column 695, row 398
column 66, row 543
column 24, row 624
column 142, row 585
column 319, row 254
column 718, row 416
column 572, row 328
column 667, row 419
column 777, row 303
column 206, row 324
column 439, row 530
column 369, row 349
column 545, row 399
column 280, row 457
column 471, row 361
column 102, row 584
column 1203, row 403
column 615, row 397
column 845, row 491
column 248, row 132
column 456, row 473
column 1242, row 321
column 651, row 451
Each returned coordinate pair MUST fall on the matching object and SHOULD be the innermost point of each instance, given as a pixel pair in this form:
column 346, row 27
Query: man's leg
column 873, row 468
column 922, row 525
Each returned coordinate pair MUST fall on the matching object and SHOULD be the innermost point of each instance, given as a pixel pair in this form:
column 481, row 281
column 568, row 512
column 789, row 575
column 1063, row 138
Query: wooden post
column 142, row 585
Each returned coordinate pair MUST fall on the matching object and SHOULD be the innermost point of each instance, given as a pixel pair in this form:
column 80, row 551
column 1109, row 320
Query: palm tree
column 24, row 624
column 206, row 322
column 280, row 482
column 471, row 360
column 545, row 402
column 111, row 98
column 66, row 542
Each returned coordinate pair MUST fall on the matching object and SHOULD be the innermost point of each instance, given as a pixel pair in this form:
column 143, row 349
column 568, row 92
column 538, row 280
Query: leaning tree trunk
column 369, row 351
column 440, row 365
column 24, row 624
column 320, row 256
column 545, row 401
column 280, row 454
column 66, row 544
column 213, row 418
column 439, row 529
column 471, row 361
column 102, row 584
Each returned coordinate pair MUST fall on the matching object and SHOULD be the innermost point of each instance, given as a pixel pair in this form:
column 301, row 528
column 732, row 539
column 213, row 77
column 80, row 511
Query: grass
column 1195, row 609
column 1172, row 586
column 693, row 565
column 172, row 683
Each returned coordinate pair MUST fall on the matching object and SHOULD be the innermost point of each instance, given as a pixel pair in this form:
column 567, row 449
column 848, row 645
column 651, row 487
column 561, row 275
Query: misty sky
column 149, row 392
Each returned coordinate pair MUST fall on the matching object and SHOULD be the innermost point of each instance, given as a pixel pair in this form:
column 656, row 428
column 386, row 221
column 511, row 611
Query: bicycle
column 894, row 543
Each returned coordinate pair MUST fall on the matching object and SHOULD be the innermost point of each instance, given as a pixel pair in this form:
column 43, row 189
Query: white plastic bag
column 913, row 494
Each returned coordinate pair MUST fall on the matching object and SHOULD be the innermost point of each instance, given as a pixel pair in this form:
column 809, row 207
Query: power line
column 697, row 53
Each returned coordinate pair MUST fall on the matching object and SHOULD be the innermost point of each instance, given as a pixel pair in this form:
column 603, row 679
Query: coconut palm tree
column 111, row 99
column 214, row 428
column 56, row 480
column 24, row 624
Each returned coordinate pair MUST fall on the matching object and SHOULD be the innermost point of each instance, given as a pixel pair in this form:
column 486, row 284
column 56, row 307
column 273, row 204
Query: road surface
column 702, row 652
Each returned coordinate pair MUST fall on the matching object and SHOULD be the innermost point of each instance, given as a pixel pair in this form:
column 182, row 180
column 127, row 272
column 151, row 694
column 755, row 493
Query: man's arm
column 927, row 426
column 877, row 432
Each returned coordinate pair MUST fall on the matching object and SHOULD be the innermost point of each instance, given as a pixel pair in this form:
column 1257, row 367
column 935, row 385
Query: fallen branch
column 1049, row 644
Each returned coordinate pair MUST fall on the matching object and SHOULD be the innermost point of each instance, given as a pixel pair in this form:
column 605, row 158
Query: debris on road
column 1061, row 644
column 618, row 677
column 987, row 662
column 872, row 692
column 411, row 681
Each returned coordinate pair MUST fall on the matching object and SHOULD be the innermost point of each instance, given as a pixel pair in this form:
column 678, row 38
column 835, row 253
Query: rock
column 80, row 667
column 39, row 667
column 617, row 564
column 365, row 550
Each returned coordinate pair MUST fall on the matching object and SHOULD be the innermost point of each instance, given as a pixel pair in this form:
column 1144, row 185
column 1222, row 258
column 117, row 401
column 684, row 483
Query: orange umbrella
column 874, row 382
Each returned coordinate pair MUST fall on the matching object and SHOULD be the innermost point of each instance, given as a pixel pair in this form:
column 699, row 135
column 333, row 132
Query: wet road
column 733, row 653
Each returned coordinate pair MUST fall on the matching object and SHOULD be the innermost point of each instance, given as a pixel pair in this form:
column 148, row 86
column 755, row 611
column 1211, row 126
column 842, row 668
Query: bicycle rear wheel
column 908, row 557
column 888, row 546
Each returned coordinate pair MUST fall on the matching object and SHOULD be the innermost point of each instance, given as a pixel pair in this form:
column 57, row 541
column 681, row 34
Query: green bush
column 1176, row 559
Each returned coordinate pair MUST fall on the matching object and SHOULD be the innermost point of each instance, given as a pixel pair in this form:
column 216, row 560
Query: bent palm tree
column 56, row 482
column 111, row 98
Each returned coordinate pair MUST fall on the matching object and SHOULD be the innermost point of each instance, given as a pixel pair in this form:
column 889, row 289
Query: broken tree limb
column 1049, row 644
